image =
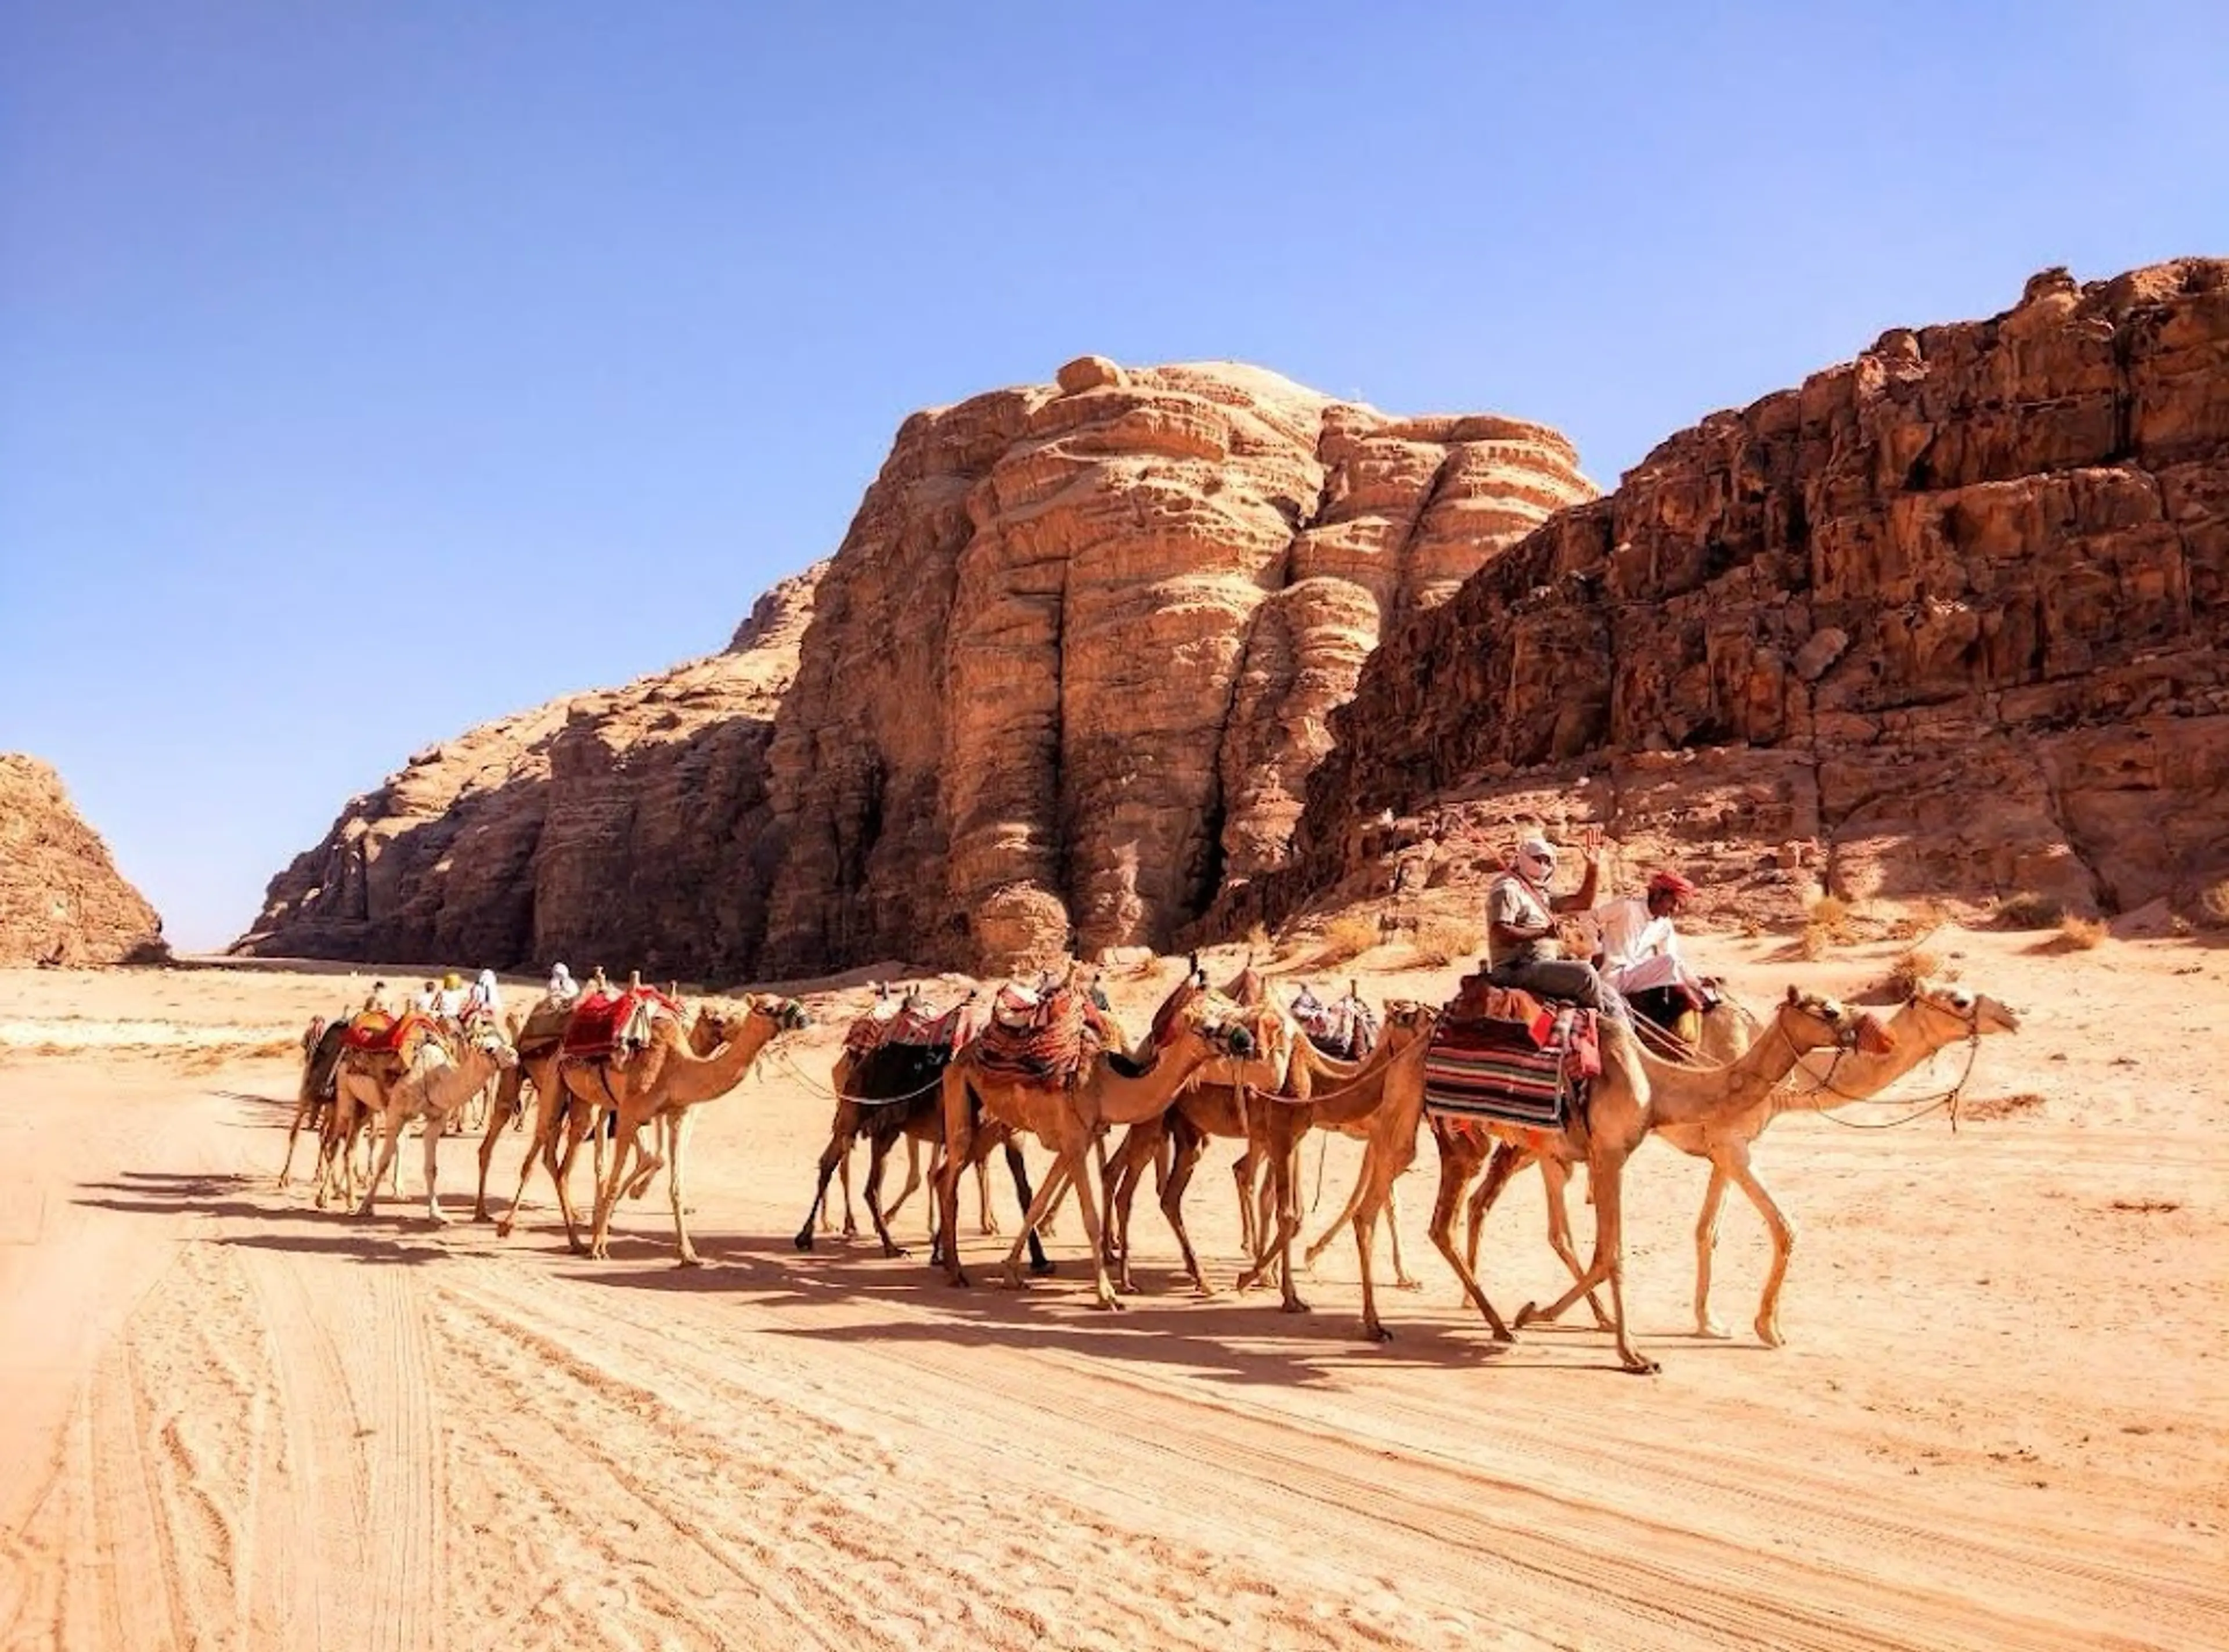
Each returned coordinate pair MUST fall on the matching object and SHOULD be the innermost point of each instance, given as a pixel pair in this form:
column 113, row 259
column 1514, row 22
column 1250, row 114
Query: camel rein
column 828, row 1092
column 1935, row 1103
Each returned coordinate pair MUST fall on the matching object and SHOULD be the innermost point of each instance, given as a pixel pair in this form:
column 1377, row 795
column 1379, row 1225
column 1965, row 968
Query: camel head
column 1218, row 1023
column 1976, row 1014
column 1812, row 1021
column 485, row 1036
column 312, row 1033
column 787, row 1014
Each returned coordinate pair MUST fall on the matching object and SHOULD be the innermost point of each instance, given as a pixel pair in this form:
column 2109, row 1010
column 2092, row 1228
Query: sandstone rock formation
column 1073, row 661
column 1066, row 678
column 1956, row 610
column 62, row 899
column 611, row 826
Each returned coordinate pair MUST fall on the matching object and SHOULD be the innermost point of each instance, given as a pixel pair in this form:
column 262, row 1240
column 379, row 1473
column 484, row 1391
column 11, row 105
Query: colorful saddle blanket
column 1345, row 1031
column 910, row 1021
column 1040, row 1038
column 545, row 1024
column 377, row 1033
column 1528, row 1071
column 603, row 1022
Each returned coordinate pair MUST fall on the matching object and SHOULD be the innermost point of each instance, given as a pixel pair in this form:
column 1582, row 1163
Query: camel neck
column 691, row 1077
column 1826, row 1080
column 1682, row 1096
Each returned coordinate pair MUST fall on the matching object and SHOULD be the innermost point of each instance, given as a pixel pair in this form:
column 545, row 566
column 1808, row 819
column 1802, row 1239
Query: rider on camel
column 1639, row 953
column 1521, row 948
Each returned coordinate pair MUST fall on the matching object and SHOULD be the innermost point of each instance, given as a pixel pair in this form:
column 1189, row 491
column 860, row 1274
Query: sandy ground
column 232, row 1420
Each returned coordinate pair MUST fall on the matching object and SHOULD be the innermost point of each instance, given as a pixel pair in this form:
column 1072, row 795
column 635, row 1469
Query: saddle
column 610, row 1025
column 910, row 1021
column 1501, row 1055
column 375, row 1032
column 1042, row 1037
column 1345, row 1031
column 544, row 1027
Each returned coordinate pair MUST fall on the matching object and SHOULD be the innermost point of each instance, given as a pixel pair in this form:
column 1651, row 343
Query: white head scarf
column 560, row 982
column 1536, row 849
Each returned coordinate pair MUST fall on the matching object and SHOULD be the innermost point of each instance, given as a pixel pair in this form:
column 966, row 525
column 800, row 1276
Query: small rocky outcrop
column 612, row 827
column 62, row 899
column 1948, row 620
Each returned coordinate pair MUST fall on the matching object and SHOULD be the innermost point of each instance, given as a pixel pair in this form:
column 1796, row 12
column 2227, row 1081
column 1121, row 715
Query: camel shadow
column 1228, row 1338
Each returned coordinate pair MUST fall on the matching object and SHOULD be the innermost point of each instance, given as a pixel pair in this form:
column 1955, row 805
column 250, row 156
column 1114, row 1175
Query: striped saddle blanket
column 1513, row 1072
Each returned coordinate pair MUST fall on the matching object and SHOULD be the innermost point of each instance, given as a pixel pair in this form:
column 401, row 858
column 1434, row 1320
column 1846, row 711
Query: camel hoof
column 691, row 1261
column 1108, row 1304
column 1526, row 1315
column 1712, row 1330
column 503, row 1228
column 1636, row 1365
column 437, row 1220
column 1044, row 1270
column 1407, row 1284
column 804, row 1239
column 850, row 1230
column 1294, row 1305
column 894, row 1251
column 1769, row 1333
column 1375, row 1333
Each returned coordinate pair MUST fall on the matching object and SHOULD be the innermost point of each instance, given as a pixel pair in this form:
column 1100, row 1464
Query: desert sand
column 229, row 1419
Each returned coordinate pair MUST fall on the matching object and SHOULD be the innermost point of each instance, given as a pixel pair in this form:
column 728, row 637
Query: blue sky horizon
column 346, row 351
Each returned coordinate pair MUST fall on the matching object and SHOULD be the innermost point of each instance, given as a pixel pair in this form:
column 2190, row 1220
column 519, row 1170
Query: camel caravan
column 1569, row 1057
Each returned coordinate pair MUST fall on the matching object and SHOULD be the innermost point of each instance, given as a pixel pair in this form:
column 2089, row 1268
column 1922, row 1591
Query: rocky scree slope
column 1946, row 620
column 62, row 899
column 1063, row 683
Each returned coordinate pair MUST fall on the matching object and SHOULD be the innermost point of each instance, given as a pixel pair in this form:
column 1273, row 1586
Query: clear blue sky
column 368, row 369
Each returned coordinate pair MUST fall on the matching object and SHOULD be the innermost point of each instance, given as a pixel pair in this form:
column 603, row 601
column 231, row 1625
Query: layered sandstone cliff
column 610, row 826
column 1955, row 611
column 1066, row 678
column 62, row 899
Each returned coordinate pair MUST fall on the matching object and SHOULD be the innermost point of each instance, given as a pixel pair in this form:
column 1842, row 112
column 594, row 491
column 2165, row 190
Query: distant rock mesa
column 1953, row 612
column 1063, row 683
column 62, row 899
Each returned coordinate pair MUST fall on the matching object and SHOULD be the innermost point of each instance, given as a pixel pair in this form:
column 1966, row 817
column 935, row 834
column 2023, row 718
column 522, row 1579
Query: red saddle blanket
column 1040, row 1038
column 600, row 1021
column 377, row 1032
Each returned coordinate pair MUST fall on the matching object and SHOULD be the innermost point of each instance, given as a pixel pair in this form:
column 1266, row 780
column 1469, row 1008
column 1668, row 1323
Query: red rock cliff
column 1065, row 678
column 62, row 899
column 1957, row 609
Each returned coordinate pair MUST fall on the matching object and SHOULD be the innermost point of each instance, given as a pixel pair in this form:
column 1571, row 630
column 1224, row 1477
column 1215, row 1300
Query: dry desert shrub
column 1915, row 965
column 1923, row 918
column 2029, row 910
column 1440, row 940
column 2213, row 906
column 1827, row 927
column 1257, row 939
column 2078, row 934
column 1348, row 936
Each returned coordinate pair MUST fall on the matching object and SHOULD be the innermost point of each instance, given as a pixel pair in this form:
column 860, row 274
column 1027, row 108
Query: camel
column 1634, row 1091
column 892, row 1094
column 360, row 1078
column 436, row 1086
column 1069, row 1118
column 659, row 1085
column 1349, row 1108
column 1227, row 1099
column 1932, row 1019
column 321, row 1049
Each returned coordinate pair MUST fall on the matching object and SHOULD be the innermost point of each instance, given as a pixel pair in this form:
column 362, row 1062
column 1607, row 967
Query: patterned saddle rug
column 1530, row 1064
column 604, row 1025
column 377, row 1033
column 1046, row 1037
column 911, row 1022
column 1345, row 1031
column 544, row 1027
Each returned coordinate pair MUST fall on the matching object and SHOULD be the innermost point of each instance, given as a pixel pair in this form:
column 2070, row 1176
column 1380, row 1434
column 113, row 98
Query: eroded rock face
column 1955, row 610
column 1064, row 682
column 614, row 826
column 1073, row 661
column 62, row 899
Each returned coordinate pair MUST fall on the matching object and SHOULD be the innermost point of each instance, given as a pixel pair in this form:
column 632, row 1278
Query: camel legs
column 390, row 1133
column 1606, row 1176
column 1380, row 1165
column 878, row 1154
column 510, row 1105
column 550, row 1114
column 913, row 1176
column 837, row 1153
column 1188, row 1145
column 435, row 1124
column 1071, row 1167
column 1460, row 1158
column 609, row 1184
column 1706, row 1242
column 675, row 1171
column 305, row 1111
column 1736, row 1165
